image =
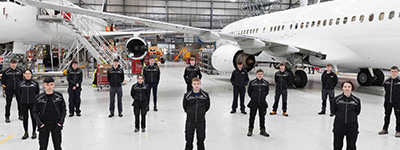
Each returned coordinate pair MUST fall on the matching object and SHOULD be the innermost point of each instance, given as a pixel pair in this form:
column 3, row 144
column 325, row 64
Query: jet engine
column 226, row 57
column 137, row 47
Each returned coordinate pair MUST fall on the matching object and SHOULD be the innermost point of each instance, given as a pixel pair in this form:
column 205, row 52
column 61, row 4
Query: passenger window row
column 319, row 23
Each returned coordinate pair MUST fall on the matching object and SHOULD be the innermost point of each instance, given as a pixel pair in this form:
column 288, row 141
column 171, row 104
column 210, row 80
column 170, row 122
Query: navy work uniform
column 346, row 110
column 10, row 79
column 195, row 105
column 239, row 80
column 74, row 76
column 189, row 74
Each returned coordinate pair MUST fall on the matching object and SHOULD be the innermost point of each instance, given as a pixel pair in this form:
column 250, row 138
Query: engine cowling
column 226, row 57
column 137, row 48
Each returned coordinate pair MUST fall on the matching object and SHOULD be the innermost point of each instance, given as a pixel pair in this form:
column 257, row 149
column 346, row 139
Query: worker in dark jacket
column 140, row 94
column 191, row 71
column 152, row 78
column 115, row 76
column 346, row 108
column 49, row 112
column 195, row 103
column 392, row 101
column 258, row 90
column 239, row 80
column 74, row 77
column 10, row 79
column 329, row 81
column 282, row 80
column 28, row 89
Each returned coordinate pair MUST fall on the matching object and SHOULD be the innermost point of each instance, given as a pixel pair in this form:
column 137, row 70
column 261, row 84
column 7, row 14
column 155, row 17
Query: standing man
column 49, row 112
column 258, row 90
column 74, row 77
column 239, row 80
column 195, row 103
column 282, row 78
column 152, row 78
column 329, row 81
column 392, row 100
column 191, row 71
column 115, row 76
column 10, row 79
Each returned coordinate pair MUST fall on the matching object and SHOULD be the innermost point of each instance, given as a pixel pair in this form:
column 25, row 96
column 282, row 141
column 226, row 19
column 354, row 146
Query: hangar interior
column 95, row 47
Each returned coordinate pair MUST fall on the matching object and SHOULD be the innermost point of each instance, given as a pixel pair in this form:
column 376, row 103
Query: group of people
column 345, row 107
column 48, row 109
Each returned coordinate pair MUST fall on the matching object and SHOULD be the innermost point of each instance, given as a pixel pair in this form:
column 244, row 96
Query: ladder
column 88, row 37
column 91, row 39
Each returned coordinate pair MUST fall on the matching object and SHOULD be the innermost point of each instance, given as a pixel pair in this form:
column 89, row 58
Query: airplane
column 21, row 27
column 353, row 35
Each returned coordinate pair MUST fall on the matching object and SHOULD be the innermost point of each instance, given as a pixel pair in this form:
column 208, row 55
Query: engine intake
column 137, row 47
column 226, row 57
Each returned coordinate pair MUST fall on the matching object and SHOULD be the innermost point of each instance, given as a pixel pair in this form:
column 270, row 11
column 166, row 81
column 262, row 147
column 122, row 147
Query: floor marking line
column 9, row 137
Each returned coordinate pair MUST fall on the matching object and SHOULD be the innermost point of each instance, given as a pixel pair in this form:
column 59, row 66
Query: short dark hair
column 260, row 70
column 349, row 82
column 48, row 80
column 74, row 62
column 394, row 68
column 239, row 63
column 192, row 58
column 282, row 64
column 196, row 79
column 28, row 70
column 140, row 75
column 329, row 65
column 153, row 56
column 13, row 61
column 116, row 60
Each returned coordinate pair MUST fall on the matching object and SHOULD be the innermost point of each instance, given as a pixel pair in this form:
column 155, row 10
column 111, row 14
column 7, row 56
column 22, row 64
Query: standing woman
column 346, row 108
column 140, row 95
column 28, row 89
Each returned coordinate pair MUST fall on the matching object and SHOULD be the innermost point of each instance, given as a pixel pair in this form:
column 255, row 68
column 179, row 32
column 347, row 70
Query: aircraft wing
column 130, row 34
column 251, row 43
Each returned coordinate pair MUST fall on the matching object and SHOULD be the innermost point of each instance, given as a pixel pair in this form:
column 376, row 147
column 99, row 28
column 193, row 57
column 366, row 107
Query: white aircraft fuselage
column 19, row 24
column 352, row 44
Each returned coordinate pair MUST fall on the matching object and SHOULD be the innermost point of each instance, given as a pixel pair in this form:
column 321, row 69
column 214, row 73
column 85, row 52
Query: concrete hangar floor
column 302, row 130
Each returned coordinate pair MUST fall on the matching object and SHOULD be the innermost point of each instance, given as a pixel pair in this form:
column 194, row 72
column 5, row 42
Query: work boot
column 285, row 114
column 250, row 132
column 34, row 135
column 143, row 130
column 111, row 115
column 70, row 115
column 155, row 108
column 321, row 113
column 244, row 112
column 331, row 115
column 136, row 130
column 25, row 136
column 262, row 132
column 383, row 132
column 21, row 117
column 120, row 115
column 8, row 120
column 233, row 111
column 397, row 135
column 78, row 114
column 272, row 113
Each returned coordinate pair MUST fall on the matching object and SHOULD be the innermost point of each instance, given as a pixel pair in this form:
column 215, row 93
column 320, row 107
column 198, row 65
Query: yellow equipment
column 186, row 55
